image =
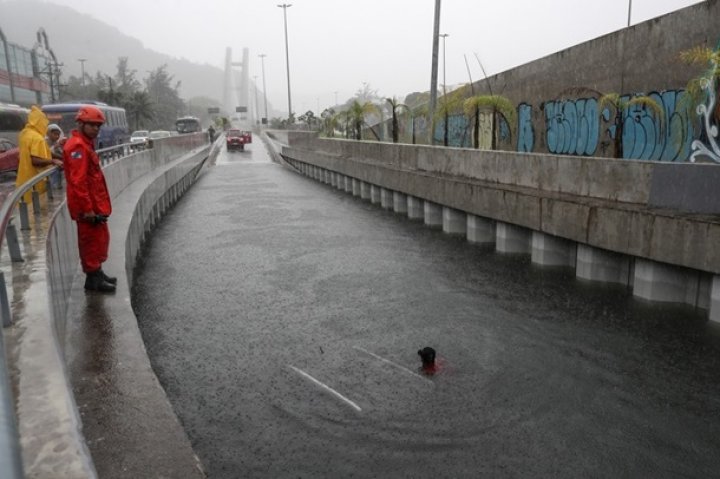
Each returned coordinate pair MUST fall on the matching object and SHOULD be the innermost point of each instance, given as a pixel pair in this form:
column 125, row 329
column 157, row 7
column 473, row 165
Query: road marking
column 326, row 387
column 402, row 368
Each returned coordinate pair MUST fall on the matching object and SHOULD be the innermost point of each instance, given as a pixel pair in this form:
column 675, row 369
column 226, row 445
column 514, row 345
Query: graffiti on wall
column 647, row 137
column 572, row 126
column 526, row 131
column 576, row 127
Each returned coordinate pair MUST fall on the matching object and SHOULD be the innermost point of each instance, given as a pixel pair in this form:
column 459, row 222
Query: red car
column 237, row 139
column 9, row 155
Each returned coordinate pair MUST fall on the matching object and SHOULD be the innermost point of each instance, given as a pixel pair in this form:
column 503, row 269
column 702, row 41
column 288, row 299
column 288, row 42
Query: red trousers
column 93, row 243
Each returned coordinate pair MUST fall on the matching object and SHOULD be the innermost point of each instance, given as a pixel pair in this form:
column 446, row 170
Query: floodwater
column 284, row 318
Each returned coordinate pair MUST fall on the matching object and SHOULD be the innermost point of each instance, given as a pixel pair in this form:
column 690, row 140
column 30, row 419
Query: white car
column 139, row 138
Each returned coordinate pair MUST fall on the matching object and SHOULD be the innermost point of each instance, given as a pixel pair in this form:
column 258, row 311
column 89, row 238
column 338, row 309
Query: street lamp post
column 262, row 60
column 336, row 98
column 444, row 36
column 285, row 6
column 257, row 121
column 433, row 72
column 82, row 71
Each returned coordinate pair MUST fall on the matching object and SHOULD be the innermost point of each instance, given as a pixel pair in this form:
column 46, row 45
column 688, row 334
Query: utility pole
column 444, row 36
column 434, row 73
column 82, row 72
column 262, row 60
column 285, row 6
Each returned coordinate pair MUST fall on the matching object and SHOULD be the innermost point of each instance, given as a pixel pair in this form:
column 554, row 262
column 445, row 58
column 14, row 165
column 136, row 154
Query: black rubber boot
column 95, row 282
column 109, row 279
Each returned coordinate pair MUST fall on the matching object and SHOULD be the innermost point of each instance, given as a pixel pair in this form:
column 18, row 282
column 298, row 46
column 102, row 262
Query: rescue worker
column 88, row 199
column 35, row 154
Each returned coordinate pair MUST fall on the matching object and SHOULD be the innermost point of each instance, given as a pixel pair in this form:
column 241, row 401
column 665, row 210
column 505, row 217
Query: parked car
column 237, row 139
column 9, row 155
column 139, row 138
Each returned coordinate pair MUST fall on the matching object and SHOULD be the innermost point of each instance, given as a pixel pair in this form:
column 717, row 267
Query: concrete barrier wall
column 603, row 203
column 604, row 178
column 50, row 429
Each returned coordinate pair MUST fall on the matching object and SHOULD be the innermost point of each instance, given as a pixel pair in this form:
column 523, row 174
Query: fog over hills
column 73, row 35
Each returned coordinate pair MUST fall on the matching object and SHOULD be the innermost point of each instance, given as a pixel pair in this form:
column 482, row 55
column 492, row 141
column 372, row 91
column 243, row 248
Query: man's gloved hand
column 95, row 219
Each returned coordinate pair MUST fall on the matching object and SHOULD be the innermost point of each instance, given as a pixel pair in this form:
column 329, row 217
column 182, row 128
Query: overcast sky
column 336, row 45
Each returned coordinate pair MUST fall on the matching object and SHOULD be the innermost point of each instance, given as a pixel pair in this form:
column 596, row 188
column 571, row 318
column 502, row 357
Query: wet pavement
column 283, row 318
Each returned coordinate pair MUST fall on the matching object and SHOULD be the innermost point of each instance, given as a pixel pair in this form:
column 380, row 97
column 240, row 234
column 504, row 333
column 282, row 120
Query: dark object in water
column 427, row 356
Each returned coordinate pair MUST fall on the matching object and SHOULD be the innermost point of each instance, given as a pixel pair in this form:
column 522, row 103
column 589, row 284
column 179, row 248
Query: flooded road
column 283, row 317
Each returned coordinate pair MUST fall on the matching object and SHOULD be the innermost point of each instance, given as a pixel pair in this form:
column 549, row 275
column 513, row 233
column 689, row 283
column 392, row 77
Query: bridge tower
column 236, row 87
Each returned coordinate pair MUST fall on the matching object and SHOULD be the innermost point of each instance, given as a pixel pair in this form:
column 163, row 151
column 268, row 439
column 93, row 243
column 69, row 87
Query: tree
column 139, row 107
column 330, row 121
column 704, row 87
column 620, row 104
column 500, row 108
column 309, row 119
column 165, row 97
column 395, row 105
column 357, row 113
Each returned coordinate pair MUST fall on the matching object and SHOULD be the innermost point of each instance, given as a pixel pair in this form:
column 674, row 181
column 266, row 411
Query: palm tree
column 620, row 104
column 357, row 113
column 395, row 105
column 499, row 107
column 697, row 90
column 140, row 107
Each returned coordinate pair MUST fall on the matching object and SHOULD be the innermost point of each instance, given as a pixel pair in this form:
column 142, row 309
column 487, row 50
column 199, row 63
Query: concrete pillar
column 317, row 173
column 399, row 203
column 433, row 214
column 667, row 283
column 512, row 239
column 364, row 190
column 339, row 181
column 356, row 187
column 326, row 177
column 454, row 221
column 386, row 198
column 375, row 194
column 415, row 208
column 600, row 265
column 549, row 250
column 348, row 184
column 480, row 230
column 333, row 179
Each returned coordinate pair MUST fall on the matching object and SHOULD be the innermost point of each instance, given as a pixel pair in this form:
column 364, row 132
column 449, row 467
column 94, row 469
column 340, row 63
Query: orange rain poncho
column 31, row 142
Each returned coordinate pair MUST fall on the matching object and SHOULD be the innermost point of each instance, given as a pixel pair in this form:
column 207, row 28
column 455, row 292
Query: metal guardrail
column 10, row 455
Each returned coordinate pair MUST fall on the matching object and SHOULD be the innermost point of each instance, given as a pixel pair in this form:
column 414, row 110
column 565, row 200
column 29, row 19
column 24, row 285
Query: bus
column 187, row 124
column 114, row 132
column 12, row 121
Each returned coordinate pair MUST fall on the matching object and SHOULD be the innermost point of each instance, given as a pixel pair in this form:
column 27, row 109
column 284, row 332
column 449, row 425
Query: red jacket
column 86, row 188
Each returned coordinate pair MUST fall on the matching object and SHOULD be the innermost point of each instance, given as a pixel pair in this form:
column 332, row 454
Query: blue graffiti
column 526, row 132
column 572, row 126
column 649, row 137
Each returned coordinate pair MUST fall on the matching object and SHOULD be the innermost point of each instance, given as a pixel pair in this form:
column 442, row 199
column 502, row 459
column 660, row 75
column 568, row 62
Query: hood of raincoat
column 37, row 120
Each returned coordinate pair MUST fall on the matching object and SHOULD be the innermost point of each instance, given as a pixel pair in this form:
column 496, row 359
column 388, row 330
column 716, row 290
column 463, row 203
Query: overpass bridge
column 88, row 401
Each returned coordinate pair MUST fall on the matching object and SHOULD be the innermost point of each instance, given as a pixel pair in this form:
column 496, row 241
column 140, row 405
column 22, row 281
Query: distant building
column 27, row 75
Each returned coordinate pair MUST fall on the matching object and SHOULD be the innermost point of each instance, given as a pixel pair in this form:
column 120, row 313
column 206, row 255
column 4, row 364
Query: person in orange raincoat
column 35, row 154
column 88, row 199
